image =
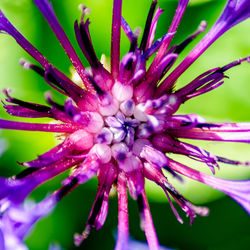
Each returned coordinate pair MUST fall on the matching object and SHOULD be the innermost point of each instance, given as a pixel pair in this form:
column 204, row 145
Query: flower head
column 121, row 124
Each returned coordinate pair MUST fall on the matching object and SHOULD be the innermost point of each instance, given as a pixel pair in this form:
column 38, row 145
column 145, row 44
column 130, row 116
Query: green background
column 227, row 226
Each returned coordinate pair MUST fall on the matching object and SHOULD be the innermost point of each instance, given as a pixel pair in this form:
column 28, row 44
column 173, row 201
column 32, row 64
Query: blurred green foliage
column 231, row 102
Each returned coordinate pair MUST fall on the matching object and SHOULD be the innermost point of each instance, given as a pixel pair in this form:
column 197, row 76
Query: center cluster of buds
column 121, row 125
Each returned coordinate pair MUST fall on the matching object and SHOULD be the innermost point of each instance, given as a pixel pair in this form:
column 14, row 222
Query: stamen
column 127, row 107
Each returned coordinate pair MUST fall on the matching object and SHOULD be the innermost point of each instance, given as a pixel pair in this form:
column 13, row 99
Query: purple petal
column 128, row 31
column 16, row 189
column 145, row 90
column 182, row 5
column 206, row 81
column 46, row 8
column 84, row 41
column 153, row 26
column 6, row 26
column 234, row 13
column 238, row 190
column 17, row 222
column 234, row 132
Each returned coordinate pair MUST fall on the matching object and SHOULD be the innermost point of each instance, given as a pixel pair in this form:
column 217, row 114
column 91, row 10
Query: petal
column 46, row 8
column 123, row 222
column 147, row 222
column 6, row 26
column 115, row 37
column 56, row 128
column 235, row 12
column 238, row 190
column 17, row 189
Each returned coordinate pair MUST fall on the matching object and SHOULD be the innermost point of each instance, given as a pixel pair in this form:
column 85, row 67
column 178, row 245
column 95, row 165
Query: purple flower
column 120, row 124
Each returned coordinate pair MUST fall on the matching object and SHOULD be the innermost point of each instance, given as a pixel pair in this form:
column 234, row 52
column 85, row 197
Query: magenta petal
column 149, row 226
column 116, row 36
column 123, row 222
column 57, row 128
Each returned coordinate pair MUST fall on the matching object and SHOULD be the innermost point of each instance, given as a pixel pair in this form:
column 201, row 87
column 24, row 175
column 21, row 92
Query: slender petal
column 238, row 190
column 123, row 223
column 46, row 9
column 182, row 5
column 149, row 226
column 116, row 36
column 235, row 12
column 56, row 128
column 17, row 189
column 7, row 27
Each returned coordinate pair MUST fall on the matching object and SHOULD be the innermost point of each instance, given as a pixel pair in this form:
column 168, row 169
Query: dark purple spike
column 207, row 125
column 83, row 39
column 207, row 81
column 38, row 162
column 173, row 173
column 85, row 35
column 19, row 111
column 231, row 65
column 64, row 83
column 167, row 68
column 147, row 26
column 231, row 162
column 54, row 84
column 97, row 88
column 28, row 105
column 141, row 208
column 96, row 208
column 48, row 98
column 133, row 45
column 179, row 48
column 26, row 172
column 47, row 10
column 140, row 203
column 27, row 65
column 70, row 109
column 67, row 189
column 128, row 31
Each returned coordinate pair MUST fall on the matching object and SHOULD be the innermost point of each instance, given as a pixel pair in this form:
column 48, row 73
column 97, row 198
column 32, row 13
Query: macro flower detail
column 120, row 124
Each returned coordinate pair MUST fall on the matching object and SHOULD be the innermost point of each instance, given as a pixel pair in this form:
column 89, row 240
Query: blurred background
column 227, row 226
